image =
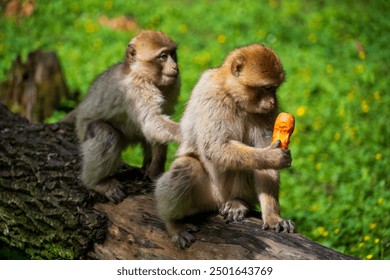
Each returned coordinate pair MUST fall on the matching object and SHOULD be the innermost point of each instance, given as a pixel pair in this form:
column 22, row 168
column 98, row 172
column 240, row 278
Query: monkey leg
column 101, row 158
column 234, row 210
column 267, row 182
column 182, row 191
column 155, row 157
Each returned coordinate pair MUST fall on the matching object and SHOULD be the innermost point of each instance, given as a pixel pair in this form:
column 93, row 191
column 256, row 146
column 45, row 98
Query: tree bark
column 45, row 211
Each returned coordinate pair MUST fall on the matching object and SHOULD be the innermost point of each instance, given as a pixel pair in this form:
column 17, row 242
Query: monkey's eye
column 163, row 57
column 269, row 88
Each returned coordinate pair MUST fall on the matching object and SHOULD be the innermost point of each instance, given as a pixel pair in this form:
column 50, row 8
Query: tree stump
column 45, row 211
column 35, row 88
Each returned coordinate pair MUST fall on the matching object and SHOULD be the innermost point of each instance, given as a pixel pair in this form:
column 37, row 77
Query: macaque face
column 167, row 61
column 258, row 73
column 152, row 55
column 261, row 99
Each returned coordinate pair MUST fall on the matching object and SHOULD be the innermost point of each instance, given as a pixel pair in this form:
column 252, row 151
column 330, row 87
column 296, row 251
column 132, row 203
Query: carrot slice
column 283, row 128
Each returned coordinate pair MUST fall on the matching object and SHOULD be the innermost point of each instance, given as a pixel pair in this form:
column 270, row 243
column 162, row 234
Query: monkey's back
column 105, row 101
column 210, row 117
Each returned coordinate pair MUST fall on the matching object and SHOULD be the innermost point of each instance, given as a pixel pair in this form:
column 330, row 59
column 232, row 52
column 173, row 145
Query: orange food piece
column 283, row 128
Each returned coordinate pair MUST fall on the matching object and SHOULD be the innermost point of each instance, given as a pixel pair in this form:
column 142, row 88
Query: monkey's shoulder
column 208, row 80
column 106, row 83
column 209, row 90
column 111, row 73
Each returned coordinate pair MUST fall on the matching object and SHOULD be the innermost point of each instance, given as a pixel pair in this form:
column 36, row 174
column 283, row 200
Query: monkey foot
column 287, row 226
column 183, row 237
column 112, row 189
column 234, row 210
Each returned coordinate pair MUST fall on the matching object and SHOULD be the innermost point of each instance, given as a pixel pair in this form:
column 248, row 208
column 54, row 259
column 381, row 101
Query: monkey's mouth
column 168, row 79
column 170, row 75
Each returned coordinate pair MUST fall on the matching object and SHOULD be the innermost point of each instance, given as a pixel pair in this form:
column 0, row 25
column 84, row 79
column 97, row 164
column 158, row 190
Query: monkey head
column 152, row 55
column 255, row 73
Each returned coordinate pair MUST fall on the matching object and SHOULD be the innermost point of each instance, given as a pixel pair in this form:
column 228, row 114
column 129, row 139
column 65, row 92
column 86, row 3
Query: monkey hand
column 276, row 157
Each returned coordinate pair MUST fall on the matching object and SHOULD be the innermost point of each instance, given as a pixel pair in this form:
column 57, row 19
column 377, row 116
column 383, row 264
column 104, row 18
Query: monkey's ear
column 130, row 53
column 237, row 66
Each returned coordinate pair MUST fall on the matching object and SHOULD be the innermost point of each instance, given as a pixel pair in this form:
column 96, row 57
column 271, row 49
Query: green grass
column 336, row 57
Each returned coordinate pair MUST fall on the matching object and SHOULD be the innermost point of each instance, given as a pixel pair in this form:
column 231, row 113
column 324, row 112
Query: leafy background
column 336, row 55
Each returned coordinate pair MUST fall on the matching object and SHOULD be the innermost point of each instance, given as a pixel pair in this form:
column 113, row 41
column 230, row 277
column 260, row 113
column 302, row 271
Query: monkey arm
column 155, row 126
column 236, row 155
column 160, row 128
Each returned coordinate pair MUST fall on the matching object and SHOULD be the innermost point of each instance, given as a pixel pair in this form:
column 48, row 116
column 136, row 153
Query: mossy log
column 45, row 211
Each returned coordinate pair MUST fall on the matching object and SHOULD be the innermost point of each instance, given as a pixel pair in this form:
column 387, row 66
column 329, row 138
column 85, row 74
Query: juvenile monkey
column 225, row 161
column 128, row 104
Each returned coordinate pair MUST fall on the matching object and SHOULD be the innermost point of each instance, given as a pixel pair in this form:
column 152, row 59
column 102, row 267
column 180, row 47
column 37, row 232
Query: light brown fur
column 129, row 104
column 225, row 161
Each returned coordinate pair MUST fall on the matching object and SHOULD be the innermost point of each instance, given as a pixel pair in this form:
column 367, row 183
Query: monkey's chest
column 255, row 136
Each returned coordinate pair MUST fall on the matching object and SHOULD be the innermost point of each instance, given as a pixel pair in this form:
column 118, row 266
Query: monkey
column 130, row 103
column 226, row 162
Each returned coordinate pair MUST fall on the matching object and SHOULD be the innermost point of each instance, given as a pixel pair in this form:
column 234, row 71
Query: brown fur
column 129, row 104
column 225, row 161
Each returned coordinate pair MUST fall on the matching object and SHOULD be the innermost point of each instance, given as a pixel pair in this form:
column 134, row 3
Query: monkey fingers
column 278, row 158
column 234, row 210
column 112, row 189
column 183, row 238
column 287, row 160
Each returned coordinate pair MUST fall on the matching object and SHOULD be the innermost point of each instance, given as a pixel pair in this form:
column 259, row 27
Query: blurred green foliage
column 336, row 55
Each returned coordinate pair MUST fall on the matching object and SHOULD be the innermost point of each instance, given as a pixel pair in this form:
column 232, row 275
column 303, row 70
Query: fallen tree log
column 45, row 211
